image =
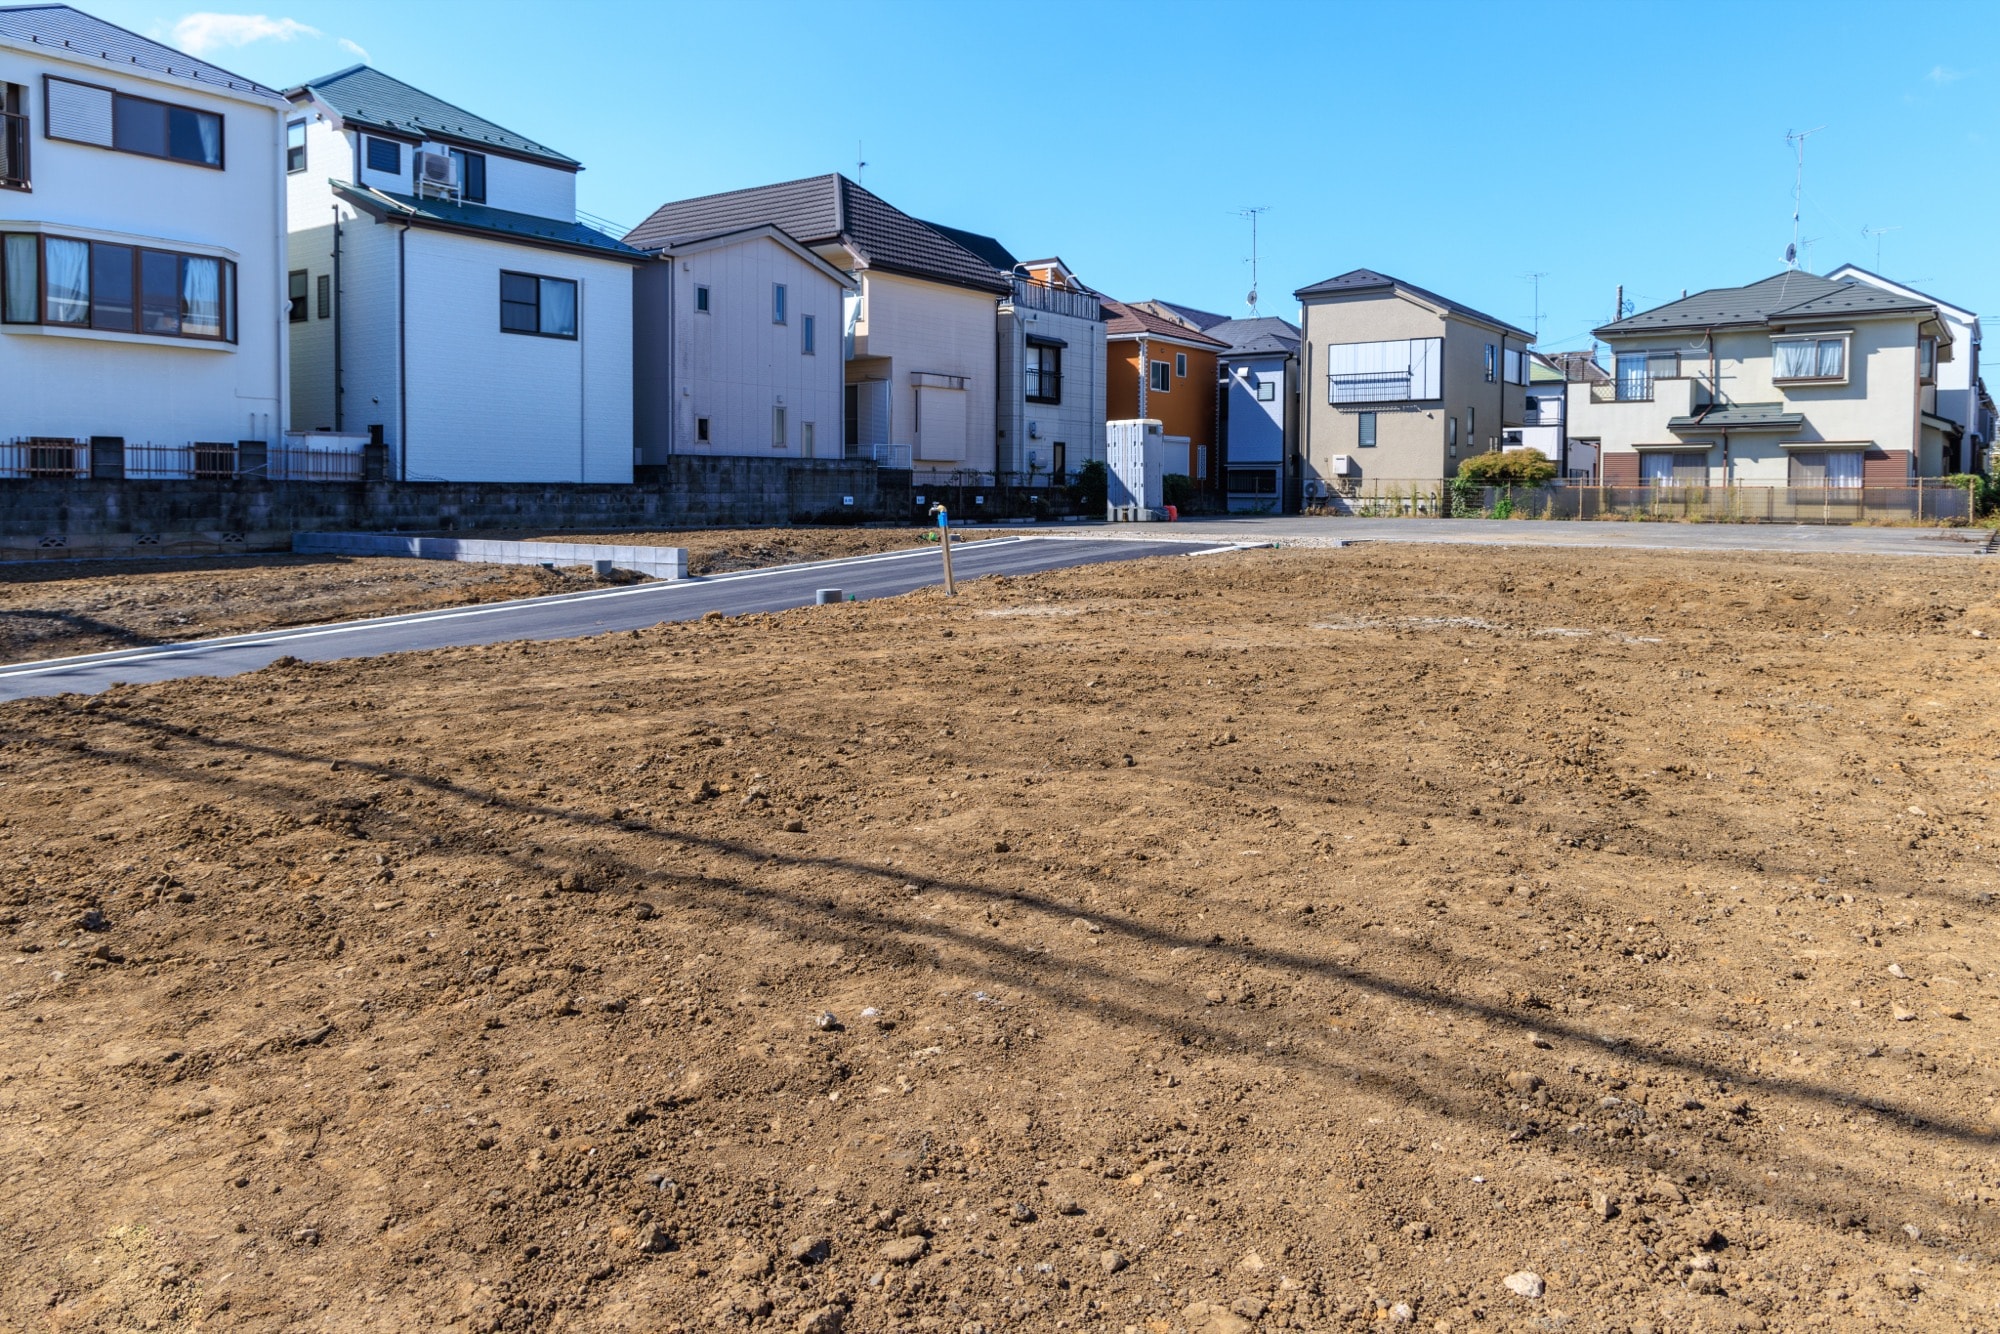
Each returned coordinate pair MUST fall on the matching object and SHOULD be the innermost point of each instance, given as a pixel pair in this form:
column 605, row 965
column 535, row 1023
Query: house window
column 1365, row 430
column 295, row 146
column 808, row 335
column 701, row 429
column 701, row 300
column 1492, row 363
column 1809, row 359
column 1471, row 433
column 778, row 427
column 807, row 439
column 471, row 175
column 295, row 295
column 1451, row 433
column 1252, row 481
column 86, row 113
column 1041, row 373
column 385, row 155
column 777, row 303
column 1636, row 372
column 126, row 289
column 1665, row 468
column 1927, row 359
column 1180, row 365
column 13, row 136
column 1162, row 377
column 531, row 304
column 1267, row 389
column 325, row 295
column 1830, row 468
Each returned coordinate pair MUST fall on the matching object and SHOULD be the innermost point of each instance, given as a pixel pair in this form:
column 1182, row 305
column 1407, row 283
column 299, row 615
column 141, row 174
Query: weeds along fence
column 971, row 494
column 1926, row 501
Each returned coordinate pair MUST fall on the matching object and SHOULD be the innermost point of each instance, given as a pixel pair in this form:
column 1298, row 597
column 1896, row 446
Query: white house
column 917, row 334
column 445, row 298
column 142, row 217
column 1959, row 398
column 737, row 344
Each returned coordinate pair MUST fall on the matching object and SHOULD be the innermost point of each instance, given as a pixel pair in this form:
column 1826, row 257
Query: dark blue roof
column 524, row 228
column 368, row 97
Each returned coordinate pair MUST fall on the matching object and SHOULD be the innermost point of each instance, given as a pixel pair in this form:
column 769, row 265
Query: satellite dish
column 1791, row 254
column 1253, row 296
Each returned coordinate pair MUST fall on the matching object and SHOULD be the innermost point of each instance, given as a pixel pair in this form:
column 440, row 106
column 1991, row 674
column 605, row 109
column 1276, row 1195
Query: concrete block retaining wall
column 659, row 562
column 115, row 519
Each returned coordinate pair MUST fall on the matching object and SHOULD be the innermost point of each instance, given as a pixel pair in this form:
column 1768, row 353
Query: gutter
column 402, row 362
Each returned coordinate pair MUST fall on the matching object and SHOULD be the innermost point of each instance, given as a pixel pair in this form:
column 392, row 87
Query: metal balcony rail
column 13, row 148
column 1042, row 386
column 1374, row 387
column 1634, row 389
column 1056, row 300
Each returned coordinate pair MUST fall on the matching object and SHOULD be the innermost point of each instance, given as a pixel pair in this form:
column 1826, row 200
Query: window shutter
column 79, row 113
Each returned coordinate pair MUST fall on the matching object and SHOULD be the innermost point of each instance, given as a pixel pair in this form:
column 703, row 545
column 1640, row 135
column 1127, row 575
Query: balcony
column 13, row 150
column 1369, row 387
column 1055, row 300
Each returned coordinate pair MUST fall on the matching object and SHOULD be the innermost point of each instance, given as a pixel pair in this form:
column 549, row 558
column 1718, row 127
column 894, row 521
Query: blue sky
column 1458, row 146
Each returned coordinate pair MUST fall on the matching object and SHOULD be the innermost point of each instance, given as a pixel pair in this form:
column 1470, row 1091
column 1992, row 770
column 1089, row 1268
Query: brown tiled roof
column 1123, row 321
column 823, row 210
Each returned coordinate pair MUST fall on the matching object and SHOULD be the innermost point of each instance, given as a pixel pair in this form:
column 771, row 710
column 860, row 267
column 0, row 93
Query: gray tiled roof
column 370, row 98
column 1134, row 321
column 1368, row 280
column 1740, row 417
column 825, row 210
column 1263, row 334
column 72, row 30
column 524, row 228
column 1203, row 320
column 986, row 247
column 1793, row 295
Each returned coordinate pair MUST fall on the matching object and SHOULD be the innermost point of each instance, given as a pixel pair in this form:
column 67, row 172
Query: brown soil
column 1284, row 940
column 57, row 609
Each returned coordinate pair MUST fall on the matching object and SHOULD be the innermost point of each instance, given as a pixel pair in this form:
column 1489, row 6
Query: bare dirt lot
column 1283, row 940
column 52, row 609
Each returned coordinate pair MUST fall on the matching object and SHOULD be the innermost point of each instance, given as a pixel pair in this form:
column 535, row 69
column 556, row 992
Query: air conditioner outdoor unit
column 436, row 172
column 1034, row 430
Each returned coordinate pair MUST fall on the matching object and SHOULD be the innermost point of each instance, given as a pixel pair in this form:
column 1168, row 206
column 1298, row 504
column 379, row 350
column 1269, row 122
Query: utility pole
column 1618, row 311
column 1536, row 279
column 1796, row 140
column 1251, row 213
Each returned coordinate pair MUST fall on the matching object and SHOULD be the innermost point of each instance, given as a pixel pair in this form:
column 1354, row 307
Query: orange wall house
column 1136, row 342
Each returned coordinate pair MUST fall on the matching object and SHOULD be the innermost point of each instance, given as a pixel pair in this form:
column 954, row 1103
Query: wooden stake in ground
column 944, row 546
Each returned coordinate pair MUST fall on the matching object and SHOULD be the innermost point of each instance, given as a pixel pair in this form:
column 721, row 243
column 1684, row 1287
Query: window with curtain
column 67, row 265
column 1809, row 358
column 201, row 298
column 1042, row 374
column 20, row 278
column 532, row 304
column 1662, row 468
column 1162, row 379
column 63, row 281
column 1829, row 468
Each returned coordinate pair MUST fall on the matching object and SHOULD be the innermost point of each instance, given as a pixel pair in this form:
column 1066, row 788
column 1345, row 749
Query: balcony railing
column 1633, row 389
column 1378, row 387
column 13, row 149
column 1056, row 300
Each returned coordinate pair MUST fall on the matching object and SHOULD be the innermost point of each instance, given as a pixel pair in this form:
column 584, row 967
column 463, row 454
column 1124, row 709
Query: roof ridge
column 470, row 115
column 248, row 82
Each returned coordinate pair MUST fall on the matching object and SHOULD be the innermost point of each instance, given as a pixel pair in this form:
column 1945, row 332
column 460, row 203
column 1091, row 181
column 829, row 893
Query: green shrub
column 1177, row 489
column 1514, row 467
column 1090, row 488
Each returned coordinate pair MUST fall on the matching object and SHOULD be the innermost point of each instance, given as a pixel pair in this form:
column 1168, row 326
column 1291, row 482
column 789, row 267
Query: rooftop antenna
column 1536, row 279
column 1796, row 141
column 1877, row 233
column 860, row 165
column 1251, row 213
column 1808, row 243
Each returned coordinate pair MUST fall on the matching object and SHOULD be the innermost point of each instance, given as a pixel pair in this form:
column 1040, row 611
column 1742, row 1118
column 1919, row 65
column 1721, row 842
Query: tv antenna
column 860, row 165
column 1536, row 279
column 1877, row 233
column 1796, row 141
column 1251, row 213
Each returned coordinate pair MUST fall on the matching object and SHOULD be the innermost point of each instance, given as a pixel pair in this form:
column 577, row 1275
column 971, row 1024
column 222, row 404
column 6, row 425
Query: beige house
column 1793, row 381
column 1401, row 384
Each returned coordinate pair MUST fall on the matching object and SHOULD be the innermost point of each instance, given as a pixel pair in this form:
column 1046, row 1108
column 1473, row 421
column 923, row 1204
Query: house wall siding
column 924, row 326
column 1409, row 437
column 527, row 187
column 167, row 391
column 1078, row 421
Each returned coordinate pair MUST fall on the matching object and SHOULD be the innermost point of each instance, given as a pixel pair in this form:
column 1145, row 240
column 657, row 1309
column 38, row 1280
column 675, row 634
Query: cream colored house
column 917, row 335
column 1793, row 381
column 1401, row 384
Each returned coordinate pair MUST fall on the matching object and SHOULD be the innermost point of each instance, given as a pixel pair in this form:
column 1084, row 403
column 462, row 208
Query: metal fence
column 60, row 458
column 1923, row 501
column 44, row 456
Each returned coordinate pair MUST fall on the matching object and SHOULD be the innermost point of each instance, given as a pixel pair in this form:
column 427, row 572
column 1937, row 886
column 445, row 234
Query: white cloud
column 1942, row 75
column 354, row 48
column 205, row 33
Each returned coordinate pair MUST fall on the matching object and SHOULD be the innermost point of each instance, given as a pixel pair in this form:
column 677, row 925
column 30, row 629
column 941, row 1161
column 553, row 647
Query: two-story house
column 1960, row 397
column 917, row 333
column 1544, row 416
column 736, row 337
column 1164, row 370
column 142, row 222
column 1796, row 380
column 1258, row 401
column 445, row 299
column 1049, row 411
column 1402, row 384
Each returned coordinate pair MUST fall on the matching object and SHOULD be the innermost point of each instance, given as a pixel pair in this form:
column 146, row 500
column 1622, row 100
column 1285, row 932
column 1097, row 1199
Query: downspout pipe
column 339, row 380
column 402, row 360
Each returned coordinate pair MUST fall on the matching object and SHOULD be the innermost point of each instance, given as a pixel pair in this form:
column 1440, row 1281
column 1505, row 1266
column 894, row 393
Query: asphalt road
column 574, row 615
column 1784, row 538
